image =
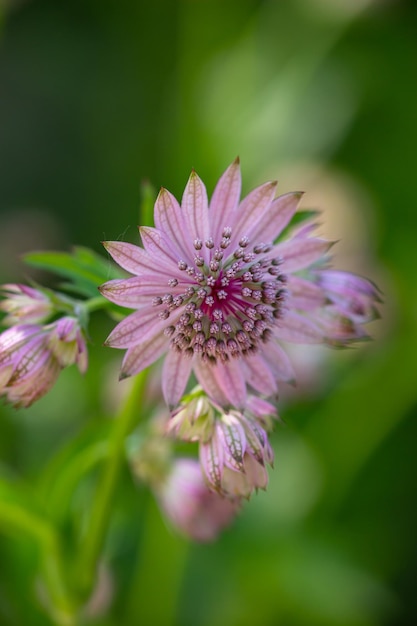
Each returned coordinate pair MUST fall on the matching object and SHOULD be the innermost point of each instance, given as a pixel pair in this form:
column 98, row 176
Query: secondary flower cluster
column 33, row 354
column 233, row 446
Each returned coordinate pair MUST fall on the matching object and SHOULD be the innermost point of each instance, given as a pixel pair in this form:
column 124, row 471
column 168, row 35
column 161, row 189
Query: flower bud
column 193, row 509
column 24, row 304
column 32, row 356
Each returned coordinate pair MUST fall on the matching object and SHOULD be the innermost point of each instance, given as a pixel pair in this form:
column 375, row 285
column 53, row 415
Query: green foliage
column 84, row 269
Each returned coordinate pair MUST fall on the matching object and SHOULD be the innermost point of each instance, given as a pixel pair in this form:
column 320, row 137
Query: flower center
column 229, row 301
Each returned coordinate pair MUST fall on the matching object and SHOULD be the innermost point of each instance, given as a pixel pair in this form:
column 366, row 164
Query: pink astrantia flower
column 23, row 304
column 32, row 356
column 214, row 289
column 197, row 512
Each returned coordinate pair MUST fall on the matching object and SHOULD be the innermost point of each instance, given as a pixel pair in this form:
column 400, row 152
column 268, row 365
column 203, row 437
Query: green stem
column 162, row 560
column 92, row 544
column 95, row 304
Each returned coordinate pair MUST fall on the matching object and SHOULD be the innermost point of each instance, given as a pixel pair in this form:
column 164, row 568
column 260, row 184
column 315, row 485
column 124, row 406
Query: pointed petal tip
column 123, row 375
column 162, row 192
column 236, row 161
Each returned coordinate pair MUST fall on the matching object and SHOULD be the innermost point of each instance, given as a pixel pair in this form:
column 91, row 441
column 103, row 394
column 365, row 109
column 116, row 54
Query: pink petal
column 340, row 282
column 279, row 361
column 339, row 329
column 251, row 210
column 229, row 380
column 132, row 292
column 157, row 244
column 259, row 375
column 170, row 220
column 232, row 438
column 33, row 359
column 205, row 375
column 211, row 459
column 276, row 218
column 175, row 374
column 256, row 473
column 135, row 328
column 303, row 294
column 134, row 259
column 142, row 355
column 224, row 201
column 299, row 329
column 195, row 211
column 298, row 254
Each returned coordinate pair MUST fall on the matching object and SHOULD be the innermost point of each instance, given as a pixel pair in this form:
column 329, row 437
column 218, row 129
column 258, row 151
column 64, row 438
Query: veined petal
column 159, row 246
column 170, row 220
column 134, row 259
column 32, row 359
column 298, row 254
column 276, row 217
column 134, row 292
column 175, row 374
column 299, row 329
column 251, row 209
column 233, row 440
column 211, row 459
column 135, row 327
column 194, row 207
column 205, row 375
column 230, row 379
column 259, row 375
column 279, row 362
column 224, row 201
column 143, row 354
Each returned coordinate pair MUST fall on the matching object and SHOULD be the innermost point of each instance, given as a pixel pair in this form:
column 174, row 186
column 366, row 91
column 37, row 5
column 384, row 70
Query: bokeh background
column 100, row 99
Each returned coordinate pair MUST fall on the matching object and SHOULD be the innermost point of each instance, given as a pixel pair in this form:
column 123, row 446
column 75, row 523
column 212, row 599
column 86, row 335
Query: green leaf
column 68, row 467
column 85, row 269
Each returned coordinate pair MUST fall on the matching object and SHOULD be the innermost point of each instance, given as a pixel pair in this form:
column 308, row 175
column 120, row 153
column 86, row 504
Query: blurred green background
column 97, row 97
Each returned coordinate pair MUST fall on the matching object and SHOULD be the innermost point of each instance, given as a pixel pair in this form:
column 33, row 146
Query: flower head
column 214, row 288
column 32, row 356
column 197, row 512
